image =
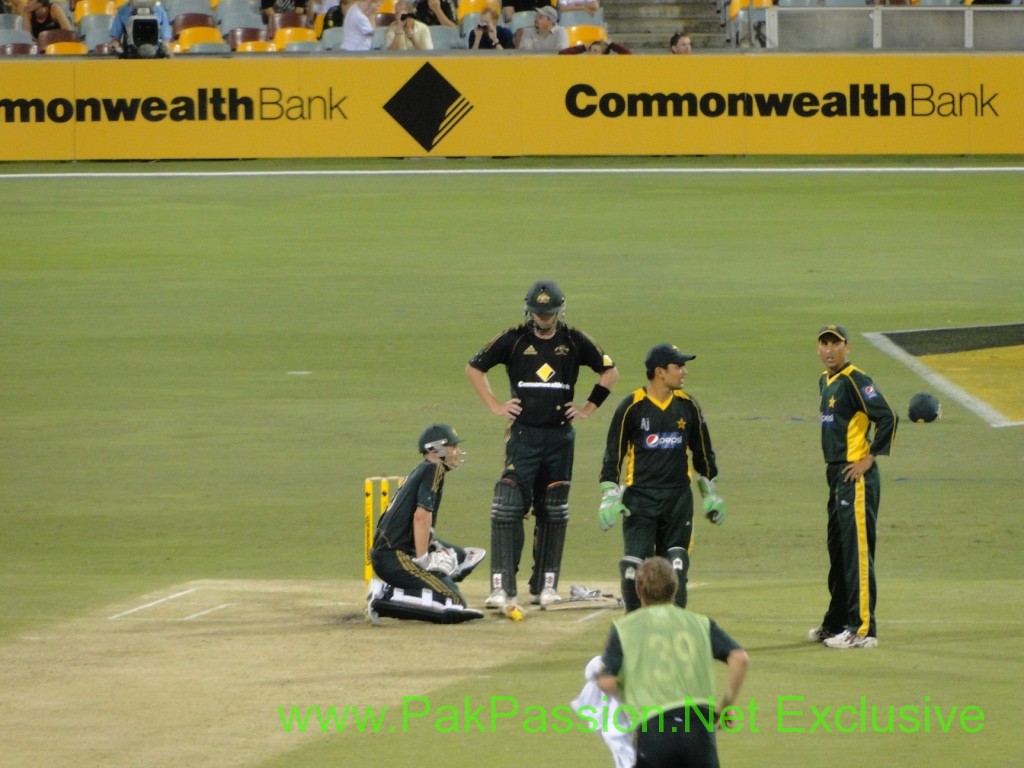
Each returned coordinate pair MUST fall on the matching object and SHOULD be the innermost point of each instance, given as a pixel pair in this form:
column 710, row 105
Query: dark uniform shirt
column 422, row 488
column 542, row 373
column 849, row 404
column 647, row 442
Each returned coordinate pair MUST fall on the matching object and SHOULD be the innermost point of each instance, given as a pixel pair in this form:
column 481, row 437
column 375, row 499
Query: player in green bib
column 658, row 661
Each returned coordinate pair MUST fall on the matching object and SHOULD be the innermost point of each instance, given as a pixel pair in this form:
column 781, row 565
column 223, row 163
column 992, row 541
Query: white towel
column 619, row 739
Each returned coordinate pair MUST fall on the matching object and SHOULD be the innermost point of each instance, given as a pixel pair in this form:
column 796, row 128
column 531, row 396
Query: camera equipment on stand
column 141, row 38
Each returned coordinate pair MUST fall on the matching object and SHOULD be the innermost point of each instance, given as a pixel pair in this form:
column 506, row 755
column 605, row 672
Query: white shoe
column 820, row 634
column 848, row 639
column 496, row 600
column 547, row 597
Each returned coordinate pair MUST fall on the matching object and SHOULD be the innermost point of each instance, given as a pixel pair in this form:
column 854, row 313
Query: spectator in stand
column 599, row 47
column 590, row 6
column 316, row 8
column 405, row 33
column 546, row 34
column 512, row 7
column 40, row 15
column 360, row 20
column 435, row 13
column 488, row 36
column 269, row 7
column 335, row 16
column 680, row 44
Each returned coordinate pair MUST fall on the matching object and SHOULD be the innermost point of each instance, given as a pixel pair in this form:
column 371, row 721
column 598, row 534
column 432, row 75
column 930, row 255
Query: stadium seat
column 302, row 46
column 48, row 36
column 467, row 22
column 87, row 7
column 256, row 46
column 240, row 20
column 521, row 20
column 585, row 34
column 95, row 29
column 218, row 46
column 18, row 49
column 191, row 35
column 332, row 38
column 8, row 36
column 239, row 35
column 286, row 36
column 576, row 17
column 387, row 6
column 282, row 20
column 385, row 19
column 446, row 38
column 378, row 38
column 10, row 21
column 800, row 3
column 186, row 20
column 66, row 48
column 178, row 7
column 228, row 7
column 467, row 7
column 846, row 3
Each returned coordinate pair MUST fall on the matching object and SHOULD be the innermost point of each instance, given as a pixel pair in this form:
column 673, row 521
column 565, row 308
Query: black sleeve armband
column 598, row 395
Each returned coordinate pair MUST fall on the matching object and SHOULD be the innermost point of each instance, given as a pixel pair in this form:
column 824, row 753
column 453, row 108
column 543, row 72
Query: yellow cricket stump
column 374, row 488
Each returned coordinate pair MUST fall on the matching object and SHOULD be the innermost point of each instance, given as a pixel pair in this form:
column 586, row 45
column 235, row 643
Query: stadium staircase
column 645, row 26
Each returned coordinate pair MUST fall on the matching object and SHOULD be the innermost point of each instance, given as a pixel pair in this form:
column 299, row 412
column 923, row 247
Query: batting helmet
column 437, row 436
column 545, row 297
column 924, row 407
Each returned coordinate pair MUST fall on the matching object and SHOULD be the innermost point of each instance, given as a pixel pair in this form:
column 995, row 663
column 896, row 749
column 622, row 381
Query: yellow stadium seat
column 286, row 35
column 67, row 48
column 585, row 34
column 87, row 7
column 191, row 35
column 467, row 7
column 386, row 6
column 256, row 46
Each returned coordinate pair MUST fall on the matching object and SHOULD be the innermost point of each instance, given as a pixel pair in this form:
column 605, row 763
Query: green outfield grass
column 198, row 374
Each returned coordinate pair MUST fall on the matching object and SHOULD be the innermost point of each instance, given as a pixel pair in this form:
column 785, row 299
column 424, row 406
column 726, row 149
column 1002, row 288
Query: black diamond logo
column 428, row 107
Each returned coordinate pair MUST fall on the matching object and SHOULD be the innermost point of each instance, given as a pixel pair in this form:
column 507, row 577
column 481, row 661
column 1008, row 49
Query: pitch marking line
column 506, row 172
column 154, row 602
column 207, row 611
column 989, row 414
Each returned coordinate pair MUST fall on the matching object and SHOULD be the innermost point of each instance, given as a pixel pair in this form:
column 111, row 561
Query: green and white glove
column 714, row 504
column 611, row 505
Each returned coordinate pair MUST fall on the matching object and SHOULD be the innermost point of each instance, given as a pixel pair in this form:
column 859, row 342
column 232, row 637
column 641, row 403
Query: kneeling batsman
column 416, row 571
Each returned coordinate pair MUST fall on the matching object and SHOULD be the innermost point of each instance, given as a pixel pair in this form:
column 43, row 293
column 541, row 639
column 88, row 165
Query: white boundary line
column 504, row 172
column 155, row 602
column 989, row 414
column 203, row 613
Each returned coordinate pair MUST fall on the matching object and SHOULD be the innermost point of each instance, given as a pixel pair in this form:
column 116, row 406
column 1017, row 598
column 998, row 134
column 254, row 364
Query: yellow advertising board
column 486, row 105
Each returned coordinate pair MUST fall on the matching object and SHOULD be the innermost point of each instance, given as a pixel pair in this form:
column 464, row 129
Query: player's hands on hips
column 611, row 505
column 509, row 409
column 714, row 504
column 855, row 470
column 573, row 413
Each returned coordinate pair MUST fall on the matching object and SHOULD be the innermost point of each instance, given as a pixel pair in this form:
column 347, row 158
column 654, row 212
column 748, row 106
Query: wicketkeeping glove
column 443, row 561
column 611, row 505
column 714, row 504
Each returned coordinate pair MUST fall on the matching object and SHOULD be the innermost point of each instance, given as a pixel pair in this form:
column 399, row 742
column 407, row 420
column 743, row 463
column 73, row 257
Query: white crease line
column 980, row 408
column 203, row 613
column 155, row 602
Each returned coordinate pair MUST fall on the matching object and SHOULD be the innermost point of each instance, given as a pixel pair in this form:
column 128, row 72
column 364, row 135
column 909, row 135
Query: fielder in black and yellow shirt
column 645, row 475
column 850, row 405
